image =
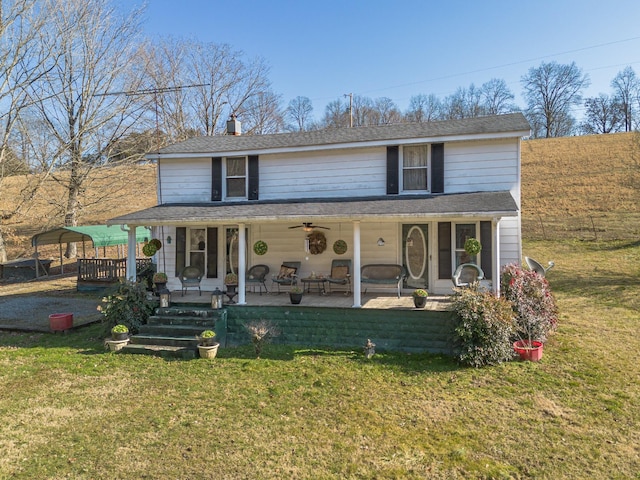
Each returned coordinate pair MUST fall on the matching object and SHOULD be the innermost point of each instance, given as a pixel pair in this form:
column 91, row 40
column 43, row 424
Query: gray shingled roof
column 379, row 208
column 510, row 123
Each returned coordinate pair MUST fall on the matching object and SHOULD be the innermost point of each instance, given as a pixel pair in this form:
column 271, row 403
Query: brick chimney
column 234, row 127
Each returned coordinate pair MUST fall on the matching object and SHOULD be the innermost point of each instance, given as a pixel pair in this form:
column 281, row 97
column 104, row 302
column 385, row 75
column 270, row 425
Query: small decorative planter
column 119, row 336
column 116, row 345
column 419, row 302
column 59, row 322
column 208, row 351
column 528, row 351
column 295, row 298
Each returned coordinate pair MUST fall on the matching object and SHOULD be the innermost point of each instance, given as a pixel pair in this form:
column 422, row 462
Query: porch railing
column 106, row 269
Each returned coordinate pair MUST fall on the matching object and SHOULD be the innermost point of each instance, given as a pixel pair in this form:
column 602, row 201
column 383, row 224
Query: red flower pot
column 59, row 322
column 528, row 351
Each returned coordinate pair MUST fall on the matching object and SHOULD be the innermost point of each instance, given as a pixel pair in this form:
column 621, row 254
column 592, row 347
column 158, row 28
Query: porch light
column 169, row 239
column 165, row 298
column 381, row 242
column 216, row 299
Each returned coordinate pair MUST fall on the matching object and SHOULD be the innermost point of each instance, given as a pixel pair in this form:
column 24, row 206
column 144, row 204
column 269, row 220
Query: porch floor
column 376, row 300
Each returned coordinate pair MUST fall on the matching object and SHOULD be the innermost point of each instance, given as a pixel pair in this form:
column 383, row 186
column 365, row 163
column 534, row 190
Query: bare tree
column 603, row 114
column 23, row 59
column 497, row 98
column 626, row 87
column 336, row 114
column 385, row 111
column 262, row 114
column 95, row 46
column 464, row 103
column 551, row 90
column 424, row 108
column 299, row 113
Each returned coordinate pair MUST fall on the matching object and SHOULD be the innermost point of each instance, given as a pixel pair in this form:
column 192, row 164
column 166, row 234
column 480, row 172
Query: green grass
column 72, row 410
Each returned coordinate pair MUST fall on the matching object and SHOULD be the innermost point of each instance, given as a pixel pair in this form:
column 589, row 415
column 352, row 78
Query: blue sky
column 326, row 48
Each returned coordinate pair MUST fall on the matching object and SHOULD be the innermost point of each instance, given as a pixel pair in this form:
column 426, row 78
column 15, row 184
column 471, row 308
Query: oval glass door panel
column 416, row 252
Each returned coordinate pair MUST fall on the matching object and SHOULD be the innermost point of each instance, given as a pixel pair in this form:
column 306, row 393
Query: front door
column 416, row 255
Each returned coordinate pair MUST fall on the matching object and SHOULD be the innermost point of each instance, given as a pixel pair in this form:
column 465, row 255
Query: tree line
column 81, row 89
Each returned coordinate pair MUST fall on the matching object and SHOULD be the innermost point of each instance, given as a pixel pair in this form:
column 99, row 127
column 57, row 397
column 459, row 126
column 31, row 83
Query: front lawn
column 71, row 409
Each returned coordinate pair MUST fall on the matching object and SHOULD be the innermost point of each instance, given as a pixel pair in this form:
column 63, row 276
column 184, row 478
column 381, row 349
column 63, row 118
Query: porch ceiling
column 498, row 204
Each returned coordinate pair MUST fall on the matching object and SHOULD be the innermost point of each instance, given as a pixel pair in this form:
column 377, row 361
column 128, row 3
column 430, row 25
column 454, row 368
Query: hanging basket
column 260, row 247
column 149, row 249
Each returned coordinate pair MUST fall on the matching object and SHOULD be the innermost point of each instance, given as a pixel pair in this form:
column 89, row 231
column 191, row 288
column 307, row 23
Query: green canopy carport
column 99, row 235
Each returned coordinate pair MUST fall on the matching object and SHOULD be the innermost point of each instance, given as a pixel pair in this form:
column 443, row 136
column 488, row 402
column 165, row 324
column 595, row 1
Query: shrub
column 120, row 328
column 484, row 328
column 419, row 292
column 261, row 332
column 534, row 306
column 126, row 304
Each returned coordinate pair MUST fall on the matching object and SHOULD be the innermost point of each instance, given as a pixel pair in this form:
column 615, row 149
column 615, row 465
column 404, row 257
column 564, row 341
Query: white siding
column 185, row 180
column 337, row 173
column 482, row 166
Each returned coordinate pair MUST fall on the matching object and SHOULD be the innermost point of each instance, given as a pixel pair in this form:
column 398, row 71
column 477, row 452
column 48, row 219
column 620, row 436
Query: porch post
column 357, row 300
column 242, row 263
column 496, row 256
column 131, row 254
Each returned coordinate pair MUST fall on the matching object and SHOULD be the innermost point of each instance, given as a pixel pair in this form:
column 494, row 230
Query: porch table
column 319, row 281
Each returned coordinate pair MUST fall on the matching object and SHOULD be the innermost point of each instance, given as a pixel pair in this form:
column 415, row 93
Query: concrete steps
column 172, row 332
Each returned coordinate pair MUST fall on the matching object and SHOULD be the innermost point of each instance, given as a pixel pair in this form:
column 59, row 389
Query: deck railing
column 106, row 269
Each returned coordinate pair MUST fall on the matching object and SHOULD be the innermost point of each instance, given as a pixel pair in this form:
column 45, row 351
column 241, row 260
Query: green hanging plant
column 340, row 247
column 260, row 247
column 149, row 249
column 472, row 246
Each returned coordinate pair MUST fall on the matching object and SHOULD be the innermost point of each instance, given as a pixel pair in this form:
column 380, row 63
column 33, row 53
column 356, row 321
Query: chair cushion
column 286, row 272
column 340, row 272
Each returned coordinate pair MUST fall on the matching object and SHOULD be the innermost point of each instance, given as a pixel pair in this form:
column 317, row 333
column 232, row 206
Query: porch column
column 357, row 297
column 496, row 256
column 242, row 263
column 131, row 253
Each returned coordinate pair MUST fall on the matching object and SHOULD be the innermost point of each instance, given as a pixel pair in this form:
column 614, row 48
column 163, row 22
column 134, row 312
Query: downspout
column 357, row 296
column 496, row 256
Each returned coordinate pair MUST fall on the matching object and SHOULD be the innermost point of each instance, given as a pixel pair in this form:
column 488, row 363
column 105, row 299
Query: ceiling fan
column 309, row 226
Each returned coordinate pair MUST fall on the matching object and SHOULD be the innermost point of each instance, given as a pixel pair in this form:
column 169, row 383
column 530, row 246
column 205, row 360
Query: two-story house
column 407, row 194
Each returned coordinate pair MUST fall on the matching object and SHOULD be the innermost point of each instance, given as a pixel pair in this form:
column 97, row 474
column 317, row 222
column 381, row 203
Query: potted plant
column 295, row 295
column 120, row 332
column 160, row 281
column 419, row 297
column 231, row 282
column 534, row 307
column 207, row 346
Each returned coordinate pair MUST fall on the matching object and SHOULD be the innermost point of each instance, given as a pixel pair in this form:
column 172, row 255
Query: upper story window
column 415, row 168
column 236, row 176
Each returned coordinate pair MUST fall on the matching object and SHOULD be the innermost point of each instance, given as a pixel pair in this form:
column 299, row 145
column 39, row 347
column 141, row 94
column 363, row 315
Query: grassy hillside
column 577, row 187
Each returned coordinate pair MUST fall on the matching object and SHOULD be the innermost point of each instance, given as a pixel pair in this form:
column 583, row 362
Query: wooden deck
column 380, row 301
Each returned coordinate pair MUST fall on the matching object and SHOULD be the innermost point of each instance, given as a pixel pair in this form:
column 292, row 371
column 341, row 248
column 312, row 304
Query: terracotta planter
column 208, row 351
column 528, row 351
column 59, row 322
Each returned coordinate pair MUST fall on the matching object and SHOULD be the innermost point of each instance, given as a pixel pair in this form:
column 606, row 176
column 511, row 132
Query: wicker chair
column 340, row 274
column 256, row 276
column 190, row 277
column 467, row 274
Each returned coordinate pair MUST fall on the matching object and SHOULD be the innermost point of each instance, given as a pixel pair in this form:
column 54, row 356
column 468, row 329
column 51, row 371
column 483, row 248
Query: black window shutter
column 216, row 179
column 486, row 240
column 437, row 168
column 254, row 178
column 212, row 252
column 392, row 170
column 444, row 250
column 181, row 249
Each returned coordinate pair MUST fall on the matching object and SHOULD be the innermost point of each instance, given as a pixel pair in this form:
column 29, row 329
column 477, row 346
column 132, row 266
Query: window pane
column 235, row 187
column 415, row 179
column 235, row 167
column 464, row 231
column 196, row 241
column 415, row 156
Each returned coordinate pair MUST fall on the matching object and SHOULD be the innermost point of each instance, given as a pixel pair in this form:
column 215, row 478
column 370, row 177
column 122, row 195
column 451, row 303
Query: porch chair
column 190, row 277
column 340, row 274
column 287, row 276
column 466, row 274
column 537, row 267
column 256, row 277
